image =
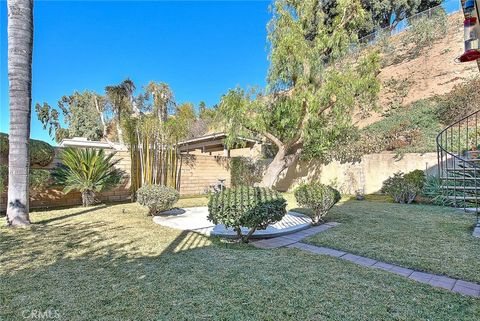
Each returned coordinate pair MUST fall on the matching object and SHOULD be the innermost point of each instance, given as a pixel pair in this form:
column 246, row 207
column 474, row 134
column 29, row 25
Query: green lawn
column 429, row 238
column 113, row 263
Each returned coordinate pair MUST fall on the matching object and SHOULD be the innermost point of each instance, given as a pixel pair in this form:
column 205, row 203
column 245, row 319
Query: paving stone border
column 439, row 281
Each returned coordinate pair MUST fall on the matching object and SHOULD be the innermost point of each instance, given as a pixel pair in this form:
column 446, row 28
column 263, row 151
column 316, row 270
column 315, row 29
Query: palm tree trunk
column 20, row 47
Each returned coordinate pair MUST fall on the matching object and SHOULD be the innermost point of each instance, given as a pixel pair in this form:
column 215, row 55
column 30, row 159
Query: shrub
column 39, row 180
column 403, row 188
column 407, row 130
column 318, row 197
column 425, row 30
column 3, row 178
column 252, row 207
column 157, row 198
column 416, row 177
column 464, row 99
column 41, row 153
column 87, row 170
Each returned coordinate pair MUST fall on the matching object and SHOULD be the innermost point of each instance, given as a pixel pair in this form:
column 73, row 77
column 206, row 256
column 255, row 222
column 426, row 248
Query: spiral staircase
column 459, row 165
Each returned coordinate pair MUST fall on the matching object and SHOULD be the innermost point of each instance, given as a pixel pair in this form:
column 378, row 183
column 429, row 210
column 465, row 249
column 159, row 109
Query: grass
column 429, row 238
column 113, row 263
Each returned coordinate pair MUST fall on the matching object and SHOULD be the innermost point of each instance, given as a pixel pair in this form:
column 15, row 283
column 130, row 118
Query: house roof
column 211, row 142
column 84, row 142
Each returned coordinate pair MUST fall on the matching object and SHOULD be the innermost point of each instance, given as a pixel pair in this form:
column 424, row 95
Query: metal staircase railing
column 458, row 153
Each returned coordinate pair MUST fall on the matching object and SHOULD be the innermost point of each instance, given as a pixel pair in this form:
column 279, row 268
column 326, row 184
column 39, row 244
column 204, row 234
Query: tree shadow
column 83, row 211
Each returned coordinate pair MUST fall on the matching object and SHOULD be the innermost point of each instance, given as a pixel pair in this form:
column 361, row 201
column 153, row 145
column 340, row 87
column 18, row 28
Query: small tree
column 317, row 197
column 89, row 171
column 314, row 85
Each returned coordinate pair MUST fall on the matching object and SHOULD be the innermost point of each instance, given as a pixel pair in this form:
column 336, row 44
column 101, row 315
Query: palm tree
column 89, row 171
column 122, row 102
column 20, row 47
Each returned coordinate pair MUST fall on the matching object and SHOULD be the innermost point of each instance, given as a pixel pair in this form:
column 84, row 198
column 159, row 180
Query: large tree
column 83, row 116
column 20, row 47
column 121, row 103
column 388, row 13
column 314, row 85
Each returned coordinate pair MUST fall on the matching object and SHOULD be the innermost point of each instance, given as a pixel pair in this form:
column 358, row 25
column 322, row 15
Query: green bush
column 87, row 170
column 318, row 197
column 244, row 171
column 41, row 153
column 39, row 180
column 416, row 177
column 424, row 30
column 157, row 198
column 252, row 207
column 432, row 190
column 403, row 188
column 3, row 178
column 464, row 99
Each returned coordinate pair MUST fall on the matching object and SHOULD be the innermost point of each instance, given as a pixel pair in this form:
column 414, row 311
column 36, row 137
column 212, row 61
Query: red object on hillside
column 470, row 55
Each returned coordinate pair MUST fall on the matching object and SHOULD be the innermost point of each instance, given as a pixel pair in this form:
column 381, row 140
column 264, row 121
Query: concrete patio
column 195, row 219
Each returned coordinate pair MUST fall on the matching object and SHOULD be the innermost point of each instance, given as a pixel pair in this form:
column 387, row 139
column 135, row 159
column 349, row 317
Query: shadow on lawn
column 83, row 211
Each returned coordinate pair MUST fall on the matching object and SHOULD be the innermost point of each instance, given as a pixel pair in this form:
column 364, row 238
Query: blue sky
column 201, row 49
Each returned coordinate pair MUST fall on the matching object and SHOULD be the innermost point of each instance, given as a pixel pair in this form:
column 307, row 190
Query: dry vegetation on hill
column 406, row 79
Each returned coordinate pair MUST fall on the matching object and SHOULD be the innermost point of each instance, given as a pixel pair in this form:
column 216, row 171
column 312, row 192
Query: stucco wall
column 368, row 174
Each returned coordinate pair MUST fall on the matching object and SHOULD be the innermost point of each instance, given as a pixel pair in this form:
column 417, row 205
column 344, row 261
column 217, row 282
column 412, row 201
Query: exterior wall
column 55, row 197
column 368, row 174
column 198, row 172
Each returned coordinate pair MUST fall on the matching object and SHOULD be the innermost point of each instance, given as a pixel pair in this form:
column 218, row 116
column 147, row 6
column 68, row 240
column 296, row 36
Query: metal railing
column 458, row 153
column 449, row 7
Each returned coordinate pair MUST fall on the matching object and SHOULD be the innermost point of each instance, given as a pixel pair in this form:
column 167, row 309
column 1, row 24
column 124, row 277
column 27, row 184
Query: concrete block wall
column 54, row 197
column 198, row 172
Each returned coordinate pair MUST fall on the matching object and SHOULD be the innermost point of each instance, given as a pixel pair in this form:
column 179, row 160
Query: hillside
column 433, row 72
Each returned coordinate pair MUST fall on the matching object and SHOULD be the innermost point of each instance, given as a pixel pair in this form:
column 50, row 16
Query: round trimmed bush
column 318, row 197
column 251, row 207
column 157, row 198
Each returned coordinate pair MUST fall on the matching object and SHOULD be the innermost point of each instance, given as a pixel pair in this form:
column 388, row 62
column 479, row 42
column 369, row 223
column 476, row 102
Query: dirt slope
column 433, row 72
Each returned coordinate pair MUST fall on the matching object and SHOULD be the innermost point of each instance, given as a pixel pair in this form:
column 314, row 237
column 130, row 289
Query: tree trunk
column 102, row 119
column 20, row 47
column 274, row 169
column 119, row 129
column 88, row 198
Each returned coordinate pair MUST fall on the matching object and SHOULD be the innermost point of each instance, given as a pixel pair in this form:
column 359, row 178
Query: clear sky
column 201, row 49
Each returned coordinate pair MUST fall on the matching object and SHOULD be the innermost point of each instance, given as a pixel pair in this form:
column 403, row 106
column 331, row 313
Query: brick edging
column 439, row 281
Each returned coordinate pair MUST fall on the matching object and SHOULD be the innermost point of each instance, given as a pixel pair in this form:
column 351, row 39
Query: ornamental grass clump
column 89, row 171
column 157, row 198
column 251, row 207
column 318, row 197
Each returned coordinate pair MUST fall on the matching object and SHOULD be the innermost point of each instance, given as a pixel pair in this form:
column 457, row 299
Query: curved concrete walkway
column 195, row 219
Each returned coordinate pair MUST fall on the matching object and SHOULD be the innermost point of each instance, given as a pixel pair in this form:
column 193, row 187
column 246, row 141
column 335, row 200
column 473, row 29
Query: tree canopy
column 314, row 84
column 80, row 116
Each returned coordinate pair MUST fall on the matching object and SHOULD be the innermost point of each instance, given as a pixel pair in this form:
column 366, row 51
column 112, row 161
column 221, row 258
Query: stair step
column 463, row 169
column 463, row 198
column 459, row 188
column 460, row 178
